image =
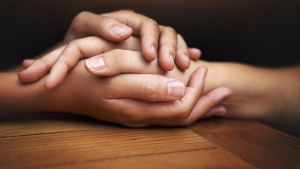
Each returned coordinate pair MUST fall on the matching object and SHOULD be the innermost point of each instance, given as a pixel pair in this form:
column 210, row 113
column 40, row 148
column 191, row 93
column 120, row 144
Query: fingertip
column 95, row 63
column 26, row 63
column 150, row 54
column 176, row 89
column 183, row 61
column 219, row 111
column 48, row 83
column 20, row 77
column 194, row 53
column 121, row 32
column 55, row 77
column 167, row 66
column 223, row 92
column 166, row 61
column 197, row 79
column 202, row 71
column 87, row 67
column 27, row 76
column 96, row 66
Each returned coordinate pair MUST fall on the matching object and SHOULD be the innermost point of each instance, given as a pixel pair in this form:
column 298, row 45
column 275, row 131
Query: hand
column 61, row 60
column 132, row 99
column 96, row 95
column 120, row 25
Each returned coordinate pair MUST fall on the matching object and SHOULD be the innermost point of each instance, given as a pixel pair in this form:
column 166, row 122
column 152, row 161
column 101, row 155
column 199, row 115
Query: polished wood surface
column 68, row 141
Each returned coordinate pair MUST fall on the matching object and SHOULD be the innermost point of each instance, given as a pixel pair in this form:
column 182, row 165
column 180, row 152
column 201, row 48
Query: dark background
column 258, row 32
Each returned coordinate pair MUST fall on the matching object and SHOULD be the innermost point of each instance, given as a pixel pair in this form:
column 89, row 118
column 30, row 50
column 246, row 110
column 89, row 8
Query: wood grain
column 257, row 144
column 68, row 141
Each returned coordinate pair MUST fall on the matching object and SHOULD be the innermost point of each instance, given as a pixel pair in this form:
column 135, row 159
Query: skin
column 116, row 88
column 256, row 93
column 252, row 88
column 110, row 99
column 172, row 47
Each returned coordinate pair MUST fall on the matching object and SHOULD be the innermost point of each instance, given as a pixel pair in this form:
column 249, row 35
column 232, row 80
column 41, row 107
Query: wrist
column 17, row 98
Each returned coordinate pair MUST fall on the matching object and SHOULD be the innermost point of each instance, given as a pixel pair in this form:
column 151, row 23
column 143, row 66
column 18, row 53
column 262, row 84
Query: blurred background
column 257, row 32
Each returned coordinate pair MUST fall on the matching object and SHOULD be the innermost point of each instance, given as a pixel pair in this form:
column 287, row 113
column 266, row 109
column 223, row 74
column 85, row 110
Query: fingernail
column 121, row 30
column 29, row 60
column 46, row 80
column 187, row 57
column 220, row 111
column 153, row 50
column 172, row 58
column 176, row 89
column 95, row 63
column 203, row 71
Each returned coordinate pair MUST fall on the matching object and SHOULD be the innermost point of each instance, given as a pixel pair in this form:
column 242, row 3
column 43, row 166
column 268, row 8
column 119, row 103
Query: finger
column 79, row 49
column 167, row 47
column 179, row 109
column 127, row 62
column 194, row 54
column 39, row 67
column 203, row 105
column 182, row 59
column 87, row 23
column 215, row 111
column 27, row 62
column 142, row 26
column 148, row 87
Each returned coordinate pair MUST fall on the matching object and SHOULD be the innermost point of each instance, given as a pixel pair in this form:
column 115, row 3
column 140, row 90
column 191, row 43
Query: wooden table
column 68, row 141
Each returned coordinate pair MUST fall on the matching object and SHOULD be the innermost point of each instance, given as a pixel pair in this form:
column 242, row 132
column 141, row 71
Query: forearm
column 16, row 98
column 270, row 95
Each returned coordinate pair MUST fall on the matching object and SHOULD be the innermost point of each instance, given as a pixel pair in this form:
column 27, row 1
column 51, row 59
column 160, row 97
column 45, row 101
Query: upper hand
column 64, row 58
column 120, row 25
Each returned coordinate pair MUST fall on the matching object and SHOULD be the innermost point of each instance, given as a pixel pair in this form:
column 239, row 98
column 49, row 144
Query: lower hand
column 132, row 99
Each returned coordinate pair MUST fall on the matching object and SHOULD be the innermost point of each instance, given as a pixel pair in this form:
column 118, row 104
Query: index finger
column 142, row 26
column 87, row 24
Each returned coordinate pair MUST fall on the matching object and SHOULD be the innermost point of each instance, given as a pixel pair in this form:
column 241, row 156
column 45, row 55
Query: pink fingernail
column 187, row 57
column 46, row 80
column 176, row 89
column 153, row 50
column 172, row 58
column 121, row 30
column 95, row 63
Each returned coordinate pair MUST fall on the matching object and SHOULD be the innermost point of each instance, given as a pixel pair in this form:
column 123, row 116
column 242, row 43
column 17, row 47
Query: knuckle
column 77, row 21
column 72, row 43
column 103, row 20
column 151, row 89
column 182, row 50
column 150, row 21
column 170, row 30
column 184, row 112
column 179, row 36
column 118, row 56
column 167, row 46
column 126, row 11
column 82, row 14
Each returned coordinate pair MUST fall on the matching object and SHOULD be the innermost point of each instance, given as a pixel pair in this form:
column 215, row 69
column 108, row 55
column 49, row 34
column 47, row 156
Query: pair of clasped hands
column 123, row 67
